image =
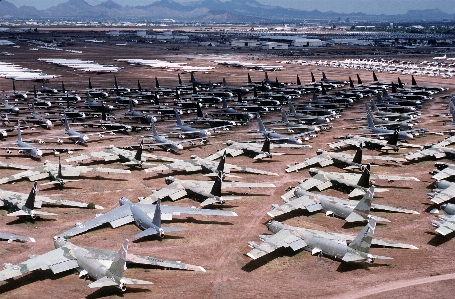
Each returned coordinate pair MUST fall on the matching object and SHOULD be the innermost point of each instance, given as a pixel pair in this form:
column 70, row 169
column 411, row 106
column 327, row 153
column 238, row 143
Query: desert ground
column 220, row 244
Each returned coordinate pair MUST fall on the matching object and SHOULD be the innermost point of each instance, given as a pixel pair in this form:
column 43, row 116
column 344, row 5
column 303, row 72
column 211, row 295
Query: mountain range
column 235, row 11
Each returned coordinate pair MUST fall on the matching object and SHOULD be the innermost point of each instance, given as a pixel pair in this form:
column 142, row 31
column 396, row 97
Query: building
column 274, row 46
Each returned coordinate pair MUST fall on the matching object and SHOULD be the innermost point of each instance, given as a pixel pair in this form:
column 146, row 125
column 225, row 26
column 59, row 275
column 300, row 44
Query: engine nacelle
column 122, row 286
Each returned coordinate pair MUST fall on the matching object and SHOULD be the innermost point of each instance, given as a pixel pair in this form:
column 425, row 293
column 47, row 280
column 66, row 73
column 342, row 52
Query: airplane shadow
column 157, row 238
column 197, row 221
column 114, row 291
column 25, row 219
column 346, row 267
column 37, row 275
column 257, row 263
column 438, row 239
column 58, row 187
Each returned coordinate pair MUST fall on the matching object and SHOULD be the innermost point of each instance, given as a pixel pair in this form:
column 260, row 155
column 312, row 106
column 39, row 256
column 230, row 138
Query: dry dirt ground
column 220, row 244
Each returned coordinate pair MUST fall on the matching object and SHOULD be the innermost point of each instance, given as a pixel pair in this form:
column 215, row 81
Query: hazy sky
column 345, row 6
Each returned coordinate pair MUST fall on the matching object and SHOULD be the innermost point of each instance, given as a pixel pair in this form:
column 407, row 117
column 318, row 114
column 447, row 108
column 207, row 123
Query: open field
column 220, row 244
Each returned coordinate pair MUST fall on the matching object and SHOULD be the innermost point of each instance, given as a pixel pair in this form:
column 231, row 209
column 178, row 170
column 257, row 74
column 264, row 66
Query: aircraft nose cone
column 298, row 141
column 39, row 154
column 207, row 133
column 179, row 146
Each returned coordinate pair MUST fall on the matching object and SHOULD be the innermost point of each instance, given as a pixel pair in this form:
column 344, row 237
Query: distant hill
column 199, row 10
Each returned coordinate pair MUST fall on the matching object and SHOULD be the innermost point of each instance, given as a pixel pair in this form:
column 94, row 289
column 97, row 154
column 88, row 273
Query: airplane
column 105, row 266
column 232, row 112
column 112, row 126
column 13, row 237
column 349, row 210
column 131, row 113
column 18, row 94
column 308, row 118
column 358, row 183
column 275, row 136
column 396, row 125
column 95, row 105
column 75, row 136
column 443, row 171
column 440, row 57
column 209, row 191
column 341, row 246
column 146, row 216
column 215, row 124
column 252, row 150
column 188, row 130
column 41, row 121
column 448, row 225
column 207, row 166
column 233, row 88
column 127, row 157
column 24, row 209
column 381, row 131
column 8, row 108
column 338, row 83
column 163, row 142
column 390, row 115
column 293, row 126
column 325, row 158
column 56, row 173
column 436, row 151
column 444, row 191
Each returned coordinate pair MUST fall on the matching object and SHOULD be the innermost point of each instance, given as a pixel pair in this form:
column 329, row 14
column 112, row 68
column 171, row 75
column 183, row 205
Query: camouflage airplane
column 13, row 237
column 19, row 208
column 443, row 192
column 146, row 216
column 105, row 266
column 350, row 210
column 209, row 191
column 57, row 173
column 127, row 157
column 345, row 247
column 447, row 225
column 207, row 166
column 325, row 158
column 437, row 151
column 358, row 183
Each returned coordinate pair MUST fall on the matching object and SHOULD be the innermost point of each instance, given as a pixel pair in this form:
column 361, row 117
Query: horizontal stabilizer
column 102, row 282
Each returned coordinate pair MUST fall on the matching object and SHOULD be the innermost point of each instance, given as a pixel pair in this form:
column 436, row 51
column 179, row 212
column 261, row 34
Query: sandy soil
column 220, row 244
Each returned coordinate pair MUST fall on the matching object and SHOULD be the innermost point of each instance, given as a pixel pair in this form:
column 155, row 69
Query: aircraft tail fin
column 394, row 88
column 298, row 80
column 255, row 92
column 323, row 91
column 373, row 105
column 323, row 76
column 351, row 83
column 157, row 84
column 362, row 241
column 364, row 180
column 90, row 84
column 291, row 107
column 220, row 167
column 130, row 105
column 362, row 209
column 89, row 99
column 103, row 112
column 249, row 79
column 14, row 86
column 199, row 111
column 63, row 88
column 400, row 84
column 369, row 117
column 266, row 79
column 19, row 135
column 192, row 79
column 224, row 82
column 116, row 85
column 59, row 173
column 393, row 140
column 312, row 77
column 266, row 146
column 359, row 81
column 223, row 99
column 35, row 95
column 139, row 87
column 177, row 116
column 358, row 156
column 138, row 155
column 260, row 123
column 216, row 188
column 375, row 78
column 157, row 215
column 180, row 79
column 118, row 264
column 414, row 82
column 67, row 126
column 30, row 202
column 284, row 117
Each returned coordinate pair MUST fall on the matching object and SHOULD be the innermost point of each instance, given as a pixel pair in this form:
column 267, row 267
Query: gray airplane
column 325, row 158
column 275, row 137
column 41, row 121
column 349, row 210
column 19, row 208
column 57, row 173
column 397, row 125
column 381, row 132
column 436, row 151
column 297, row 127
column 75, row 136
column 443, row 171
column 207, row 166
column 358, row 183
column 210, row 192
column 146, row 216
column 163, row 142
column 6, row 107
column 104, row 266
column 13, row 237
column 252, row 150
column 444, row 191
column 345, row 247
column 190, row 131
column 308, row 118
column 447, row 225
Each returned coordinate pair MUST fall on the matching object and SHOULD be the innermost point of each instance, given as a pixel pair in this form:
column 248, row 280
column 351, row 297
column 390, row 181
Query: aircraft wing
column 70, row 171
column 15, row 165
column 13, row 237
column 283, row 238
column 35, row 174
column 346, row 142
column 189, row 167
column 103, row 282
column 319, row 181
column 393, row 177
column 383, row 158
column 303, row 202
column 245, row 185
column 447, row 227
column 445, row 173
column 348, row 238
column 168, row 211
column 58, row 260
column 444, row 195
column 233, row 152
column 430, row 152
column 391, row 209
column 107, row 156
column 174, row 191
column 322, row 160
column 117, row 217
column 249, row 169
